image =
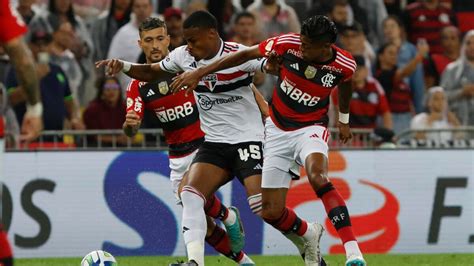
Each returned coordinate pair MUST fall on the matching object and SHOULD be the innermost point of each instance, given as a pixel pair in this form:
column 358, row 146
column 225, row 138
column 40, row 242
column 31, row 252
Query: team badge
column 310, row 72
column 327, row 80
column 163, row 87
column 210, row 81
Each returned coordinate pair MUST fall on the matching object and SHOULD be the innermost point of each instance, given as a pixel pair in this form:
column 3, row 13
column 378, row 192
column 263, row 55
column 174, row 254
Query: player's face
column 245, row 27
column 470, row 48
column 154, row 44
column 200, row 42
column 437, row 102
column 313, row 51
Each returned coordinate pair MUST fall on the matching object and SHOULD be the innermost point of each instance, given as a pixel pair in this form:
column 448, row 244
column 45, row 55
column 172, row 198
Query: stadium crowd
column 415, row 58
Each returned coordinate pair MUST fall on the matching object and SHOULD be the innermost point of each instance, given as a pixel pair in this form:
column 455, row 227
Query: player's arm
column 132, row 123
column 262, row 104
column 135, row 110
column 344, row 100
column 143, row 72
column 190, row 79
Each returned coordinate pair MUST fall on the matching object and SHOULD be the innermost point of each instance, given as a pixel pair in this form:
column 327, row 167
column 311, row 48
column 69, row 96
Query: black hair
column 111, row 15
column 200, row 19
column 380, row 51
column 70, row 12
column 151, row 23
column 319, row 28
column 244, row 14
column 100, row 82
column 399, row 22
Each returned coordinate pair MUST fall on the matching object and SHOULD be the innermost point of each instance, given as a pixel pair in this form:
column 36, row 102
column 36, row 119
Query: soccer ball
column 99, row 258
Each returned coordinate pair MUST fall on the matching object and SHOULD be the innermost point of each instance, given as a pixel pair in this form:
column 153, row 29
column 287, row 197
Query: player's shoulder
column 344, row 59
column 288, row 39
column 135, row 84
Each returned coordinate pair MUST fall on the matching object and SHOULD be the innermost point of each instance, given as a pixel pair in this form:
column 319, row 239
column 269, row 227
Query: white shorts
column 178, row 167
column 283, row 148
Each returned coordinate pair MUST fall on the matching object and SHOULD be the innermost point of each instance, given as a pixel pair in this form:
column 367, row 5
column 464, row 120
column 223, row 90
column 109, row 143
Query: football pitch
column 375, row 260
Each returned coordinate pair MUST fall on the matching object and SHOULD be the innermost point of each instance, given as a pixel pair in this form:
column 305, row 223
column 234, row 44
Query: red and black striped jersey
column 424, row 23
column 302, row 94
column 398, row 92
column 176, row 114
column 367, row 103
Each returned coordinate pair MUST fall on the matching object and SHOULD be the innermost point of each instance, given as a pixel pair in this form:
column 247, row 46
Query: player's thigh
column 206, row 178
column 253, row 184
column 179, row 166
column 310, row 140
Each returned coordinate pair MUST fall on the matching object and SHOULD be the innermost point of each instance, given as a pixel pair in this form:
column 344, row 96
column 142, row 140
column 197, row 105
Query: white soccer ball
column 99, row 258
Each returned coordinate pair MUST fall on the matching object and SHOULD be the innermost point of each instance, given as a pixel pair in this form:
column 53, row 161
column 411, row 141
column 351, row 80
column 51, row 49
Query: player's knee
column 318, row 177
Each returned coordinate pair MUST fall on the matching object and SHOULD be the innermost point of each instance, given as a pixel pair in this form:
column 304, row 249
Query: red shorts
column 11, row 23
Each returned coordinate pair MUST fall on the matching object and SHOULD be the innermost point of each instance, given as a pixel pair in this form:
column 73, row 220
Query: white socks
column 194, row 223
column 352, row 247
column 231, row 218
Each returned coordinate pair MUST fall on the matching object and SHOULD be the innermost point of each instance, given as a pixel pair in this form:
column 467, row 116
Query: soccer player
column 177, row 114
column 311, row 67
column 230, row 118
column 11, row 31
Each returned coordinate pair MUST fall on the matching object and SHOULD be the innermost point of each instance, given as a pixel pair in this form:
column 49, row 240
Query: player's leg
column 312, row 149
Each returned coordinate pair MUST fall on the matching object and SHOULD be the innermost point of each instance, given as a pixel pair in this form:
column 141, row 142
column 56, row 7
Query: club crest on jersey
column 163, row 87
column 210, row 81
column 327, row 80
column 310, row 72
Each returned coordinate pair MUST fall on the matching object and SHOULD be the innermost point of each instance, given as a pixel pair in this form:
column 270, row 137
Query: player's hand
column 132, row 119
column 186, row 81
column 273, row 64
column 345, row 134
column 112, row 66
column 31, row 127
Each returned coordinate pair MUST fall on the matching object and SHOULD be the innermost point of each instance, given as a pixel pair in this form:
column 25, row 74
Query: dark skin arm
column 143, row 72
column 190, row 79
column 344, row 100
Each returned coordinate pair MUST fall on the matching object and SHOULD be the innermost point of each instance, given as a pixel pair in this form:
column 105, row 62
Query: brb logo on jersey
column 174, row 113
column 207, row 103
column 296, row 94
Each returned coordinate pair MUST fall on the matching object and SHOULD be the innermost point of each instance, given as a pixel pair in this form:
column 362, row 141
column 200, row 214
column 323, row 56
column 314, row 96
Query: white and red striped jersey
column 227, row 107
column 302, row 93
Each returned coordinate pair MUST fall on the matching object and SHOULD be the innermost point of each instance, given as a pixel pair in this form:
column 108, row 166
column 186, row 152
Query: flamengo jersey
column 228, row 110
column 176, row 113
column 302, row 93
column 11, row 23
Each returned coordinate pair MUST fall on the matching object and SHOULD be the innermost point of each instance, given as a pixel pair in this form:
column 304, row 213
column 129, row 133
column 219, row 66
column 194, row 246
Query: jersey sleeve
column 171, row 63
column 12, row 24
column 134, row 99
column 279, row 44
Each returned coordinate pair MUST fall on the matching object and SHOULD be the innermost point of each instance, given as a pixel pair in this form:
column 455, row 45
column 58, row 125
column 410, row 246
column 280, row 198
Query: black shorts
column 241, row 160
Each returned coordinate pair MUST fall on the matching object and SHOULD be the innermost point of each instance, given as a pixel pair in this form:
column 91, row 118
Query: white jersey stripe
column 345, row 59
column 346, row 65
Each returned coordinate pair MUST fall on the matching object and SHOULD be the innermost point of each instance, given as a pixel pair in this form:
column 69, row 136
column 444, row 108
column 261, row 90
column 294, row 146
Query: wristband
column 34, row 110
column 126, row 66
column 344, row 118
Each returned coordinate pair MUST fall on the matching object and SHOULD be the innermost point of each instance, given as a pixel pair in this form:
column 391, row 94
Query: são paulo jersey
column 11, row 23
column 228, row 110
column 302, row 93
column 176, row 113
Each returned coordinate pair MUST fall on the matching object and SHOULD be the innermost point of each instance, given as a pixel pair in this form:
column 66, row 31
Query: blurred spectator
column 107, row 24
column 124, row 44
column 352, row 39
column 393, row 7
column 244, row 29
column 274, row 17
column 25, row 9
column 368, row 99
column 376, row 14
column 394, row 32
column 174, row 25
column 436, row 63
column 392, row 78
column 383, row 138
column 224, row 11
column 458, row 81
column 437, row 116
column 90, row 9
column 59, row 49
column 464, row 10
column 339, row 13
column 423, row 20
column 55, row 92
column 107, row 110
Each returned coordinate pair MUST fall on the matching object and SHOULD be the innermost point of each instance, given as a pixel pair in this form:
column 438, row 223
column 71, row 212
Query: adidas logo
column 150, row 93
column 258, row 167
column 295, row 66
column 193, row 64
column 314, row 136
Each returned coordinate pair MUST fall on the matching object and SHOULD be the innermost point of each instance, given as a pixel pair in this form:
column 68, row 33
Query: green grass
column 372, row 260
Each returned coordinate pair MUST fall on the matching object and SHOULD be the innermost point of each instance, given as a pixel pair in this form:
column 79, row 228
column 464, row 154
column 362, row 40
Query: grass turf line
column 334, row 260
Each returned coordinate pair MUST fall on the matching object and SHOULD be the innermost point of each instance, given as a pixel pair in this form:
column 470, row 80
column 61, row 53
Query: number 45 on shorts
column 253, row 151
